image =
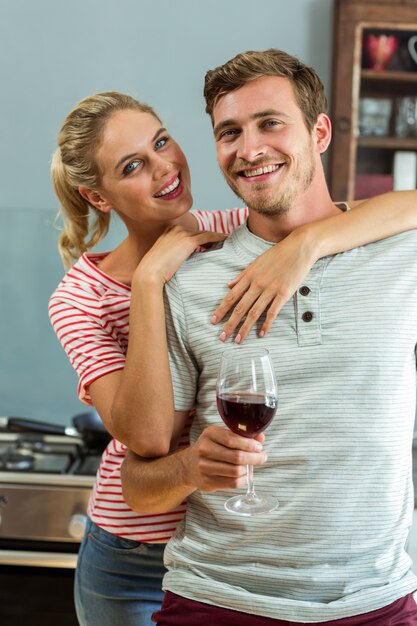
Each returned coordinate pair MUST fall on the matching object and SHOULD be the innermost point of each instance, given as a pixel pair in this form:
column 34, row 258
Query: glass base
column 250, row 505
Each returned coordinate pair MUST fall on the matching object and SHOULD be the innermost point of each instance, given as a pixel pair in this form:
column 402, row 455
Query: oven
column 45, row 482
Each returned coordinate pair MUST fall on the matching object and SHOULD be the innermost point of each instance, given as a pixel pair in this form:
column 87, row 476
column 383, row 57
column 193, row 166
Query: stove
column 45, row 483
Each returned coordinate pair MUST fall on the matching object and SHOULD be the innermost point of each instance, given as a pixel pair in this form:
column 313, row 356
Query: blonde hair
column 74, row 165
column 248, row 66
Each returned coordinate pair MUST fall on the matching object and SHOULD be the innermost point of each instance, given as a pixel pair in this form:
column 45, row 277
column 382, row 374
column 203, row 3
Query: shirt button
column 307, row 316
column 304, row 290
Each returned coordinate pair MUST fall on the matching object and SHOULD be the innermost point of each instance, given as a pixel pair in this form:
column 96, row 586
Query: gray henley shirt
column 339, row 447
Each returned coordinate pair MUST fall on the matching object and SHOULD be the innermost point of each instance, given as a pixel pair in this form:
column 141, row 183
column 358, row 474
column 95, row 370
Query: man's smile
column 259, row 173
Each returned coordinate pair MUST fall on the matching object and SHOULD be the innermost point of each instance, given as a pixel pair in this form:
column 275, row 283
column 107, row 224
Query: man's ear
column 322, row 132
column 95, row 199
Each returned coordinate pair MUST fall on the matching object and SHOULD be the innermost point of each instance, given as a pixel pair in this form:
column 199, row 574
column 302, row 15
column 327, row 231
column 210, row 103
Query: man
column 344, row 353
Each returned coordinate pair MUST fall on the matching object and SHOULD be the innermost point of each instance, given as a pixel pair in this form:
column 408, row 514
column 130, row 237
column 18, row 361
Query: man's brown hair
column 248, row 66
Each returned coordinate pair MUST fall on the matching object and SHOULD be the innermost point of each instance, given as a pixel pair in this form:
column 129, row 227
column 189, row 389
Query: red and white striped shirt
column 89, row 312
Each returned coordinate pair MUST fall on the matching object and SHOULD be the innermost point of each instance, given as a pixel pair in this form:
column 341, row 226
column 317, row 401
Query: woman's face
column 144, row 173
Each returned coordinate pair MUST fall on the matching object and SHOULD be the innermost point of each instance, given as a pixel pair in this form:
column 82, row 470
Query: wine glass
column 247, row 400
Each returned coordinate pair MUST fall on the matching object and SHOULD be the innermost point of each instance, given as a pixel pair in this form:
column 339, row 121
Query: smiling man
column 339, row 449
column 267, row 156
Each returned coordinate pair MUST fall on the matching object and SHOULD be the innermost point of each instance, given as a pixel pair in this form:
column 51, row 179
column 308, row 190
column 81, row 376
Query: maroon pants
column 178, row 611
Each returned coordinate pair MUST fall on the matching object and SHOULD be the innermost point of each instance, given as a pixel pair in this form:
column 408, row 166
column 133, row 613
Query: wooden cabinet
column 361, row 161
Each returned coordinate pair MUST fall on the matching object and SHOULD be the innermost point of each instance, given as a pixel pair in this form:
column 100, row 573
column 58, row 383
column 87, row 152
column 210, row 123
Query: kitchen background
column 56, row 52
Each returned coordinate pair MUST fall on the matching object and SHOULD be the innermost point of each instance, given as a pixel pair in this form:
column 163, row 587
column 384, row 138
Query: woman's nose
column 162, row 166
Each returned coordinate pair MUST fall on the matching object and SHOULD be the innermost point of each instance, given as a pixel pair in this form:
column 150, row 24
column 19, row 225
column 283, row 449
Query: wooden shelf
column 391, row 143
column 389, row 76
column 364, row 158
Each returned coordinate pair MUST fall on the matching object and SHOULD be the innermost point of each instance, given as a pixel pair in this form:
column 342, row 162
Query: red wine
column 246, row 414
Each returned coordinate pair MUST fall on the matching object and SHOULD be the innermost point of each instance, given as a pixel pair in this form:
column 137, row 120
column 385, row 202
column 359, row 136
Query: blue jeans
column 118, row 582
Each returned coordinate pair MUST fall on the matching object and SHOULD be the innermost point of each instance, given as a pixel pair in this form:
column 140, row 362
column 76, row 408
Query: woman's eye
column 161, row 143
column 131, row 167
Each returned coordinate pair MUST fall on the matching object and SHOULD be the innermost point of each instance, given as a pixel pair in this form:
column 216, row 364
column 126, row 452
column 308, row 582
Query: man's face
column 264, row 149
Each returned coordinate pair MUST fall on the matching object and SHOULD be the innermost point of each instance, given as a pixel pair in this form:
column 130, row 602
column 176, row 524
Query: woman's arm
column 137, row 404
column 270, row 281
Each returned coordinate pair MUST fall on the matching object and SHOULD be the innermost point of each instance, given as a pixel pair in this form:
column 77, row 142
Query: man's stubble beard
column 271, row 205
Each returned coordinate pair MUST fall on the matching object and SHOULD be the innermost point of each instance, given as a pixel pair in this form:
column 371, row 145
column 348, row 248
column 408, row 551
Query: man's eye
column 161, row 143
column 270, row 123
column 131, row 167
column 228, row 133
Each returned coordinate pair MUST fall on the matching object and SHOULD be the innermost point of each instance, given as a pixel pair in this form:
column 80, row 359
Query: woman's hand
column 266, row 285
column 170, row 250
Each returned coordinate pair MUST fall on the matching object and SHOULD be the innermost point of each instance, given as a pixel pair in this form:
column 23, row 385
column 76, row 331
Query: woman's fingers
column 250, row 306
column 258, row 309
column 230, row 299
column 273, row 310
column 171, row 249
column 263, row 304
column 187, row 242
column 206, row 237
column 265, row 286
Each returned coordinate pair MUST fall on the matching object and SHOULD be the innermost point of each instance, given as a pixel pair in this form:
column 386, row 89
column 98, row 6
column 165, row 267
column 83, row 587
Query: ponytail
column 73, row 165
column 84, row 226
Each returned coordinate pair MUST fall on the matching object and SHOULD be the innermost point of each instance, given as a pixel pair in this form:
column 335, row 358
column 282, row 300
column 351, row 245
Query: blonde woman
column 114, row 155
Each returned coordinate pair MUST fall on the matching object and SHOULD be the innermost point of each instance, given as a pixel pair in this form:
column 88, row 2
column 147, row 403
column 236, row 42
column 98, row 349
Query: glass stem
column 251, row 487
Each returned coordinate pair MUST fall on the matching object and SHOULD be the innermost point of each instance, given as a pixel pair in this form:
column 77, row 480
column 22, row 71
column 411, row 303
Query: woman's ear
column 323, row 132
column 95, row 199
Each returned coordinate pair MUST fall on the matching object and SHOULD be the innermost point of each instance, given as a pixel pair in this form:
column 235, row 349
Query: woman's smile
column 171, row 189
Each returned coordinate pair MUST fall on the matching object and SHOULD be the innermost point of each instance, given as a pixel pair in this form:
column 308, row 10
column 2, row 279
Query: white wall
column 55, row 52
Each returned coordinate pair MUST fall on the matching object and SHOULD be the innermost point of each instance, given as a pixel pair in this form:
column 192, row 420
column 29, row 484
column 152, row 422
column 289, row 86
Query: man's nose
column 250, row 146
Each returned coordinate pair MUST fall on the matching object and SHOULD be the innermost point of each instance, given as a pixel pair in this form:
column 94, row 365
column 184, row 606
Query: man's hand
column 216, row 461
column 219, row 458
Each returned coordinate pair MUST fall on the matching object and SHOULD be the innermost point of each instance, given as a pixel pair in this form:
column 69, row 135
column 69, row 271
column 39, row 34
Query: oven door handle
column 59, row 560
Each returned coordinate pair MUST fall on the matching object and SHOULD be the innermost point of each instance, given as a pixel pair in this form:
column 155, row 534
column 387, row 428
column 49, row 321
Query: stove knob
column 76, row 526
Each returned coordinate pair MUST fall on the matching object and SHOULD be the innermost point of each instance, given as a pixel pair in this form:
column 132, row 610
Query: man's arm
column 215, row 462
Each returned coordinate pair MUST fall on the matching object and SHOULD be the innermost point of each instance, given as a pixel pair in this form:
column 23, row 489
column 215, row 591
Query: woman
column 114, row 155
